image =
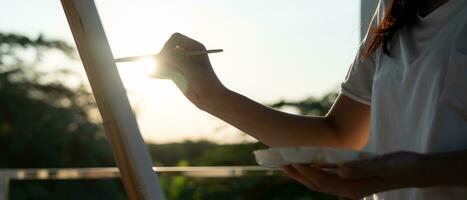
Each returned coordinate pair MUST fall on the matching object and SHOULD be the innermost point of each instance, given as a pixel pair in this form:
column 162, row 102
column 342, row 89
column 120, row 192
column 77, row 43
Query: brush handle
column 185, row 53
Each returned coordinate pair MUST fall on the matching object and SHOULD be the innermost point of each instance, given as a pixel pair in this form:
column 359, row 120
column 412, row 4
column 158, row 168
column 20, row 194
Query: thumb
column 165, row 71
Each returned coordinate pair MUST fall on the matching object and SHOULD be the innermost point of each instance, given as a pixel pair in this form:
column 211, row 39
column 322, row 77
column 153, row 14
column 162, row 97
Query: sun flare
column 138, row 75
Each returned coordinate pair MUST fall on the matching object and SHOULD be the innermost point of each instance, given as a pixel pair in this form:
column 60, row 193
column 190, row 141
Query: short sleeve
column 359, row 80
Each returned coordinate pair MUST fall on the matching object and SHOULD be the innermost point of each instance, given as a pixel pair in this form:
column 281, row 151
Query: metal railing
column 7, row 175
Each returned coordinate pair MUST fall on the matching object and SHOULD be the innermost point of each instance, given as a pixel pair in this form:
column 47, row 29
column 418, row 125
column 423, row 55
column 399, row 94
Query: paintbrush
column 184, row 53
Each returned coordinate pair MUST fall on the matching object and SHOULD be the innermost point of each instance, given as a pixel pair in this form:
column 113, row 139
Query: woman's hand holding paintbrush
column 185, row 61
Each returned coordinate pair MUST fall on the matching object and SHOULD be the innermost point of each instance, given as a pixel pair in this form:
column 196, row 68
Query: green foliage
column 171, row 154
column 46, row 125
column 204, row 153
column 310, row 106
column 10, row 43
column 41, row 121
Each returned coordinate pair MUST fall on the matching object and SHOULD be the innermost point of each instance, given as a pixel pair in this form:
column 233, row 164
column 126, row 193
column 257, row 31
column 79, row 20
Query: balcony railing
column 7, row 175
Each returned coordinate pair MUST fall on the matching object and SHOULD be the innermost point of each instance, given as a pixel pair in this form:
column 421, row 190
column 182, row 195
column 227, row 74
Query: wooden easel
column 129, row 149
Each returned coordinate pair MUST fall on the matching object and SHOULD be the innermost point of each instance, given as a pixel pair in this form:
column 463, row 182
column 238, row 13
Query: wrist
column 442, row 169
column 215, row 100
column 427, row 171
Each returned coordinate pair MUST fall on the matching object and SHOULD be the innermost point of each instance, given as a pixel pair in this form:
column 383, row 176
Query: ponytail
column 397, row 15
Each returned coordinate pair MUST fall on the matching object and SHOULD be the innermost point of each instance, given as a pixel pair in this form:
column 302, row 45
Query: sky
column 273, row 50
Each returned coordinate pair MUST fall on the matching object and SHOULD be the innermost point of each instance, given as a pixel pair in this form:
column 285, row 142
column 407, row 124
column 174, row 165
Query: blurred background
column 289, row 55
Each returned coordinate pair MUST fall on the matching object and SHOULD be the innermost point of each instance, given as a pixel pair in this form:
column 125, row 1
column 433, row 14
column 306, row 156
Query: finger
column 325, row 165
column 163, row 73
column 187, row 43
column 168, row 73
column 328, row 168
column 171, row 43
column 292, row 173
column 181, row 42
column 361, row 169
column 165, row 66
column 309, row 171
column 332, row 184
column 323, row 181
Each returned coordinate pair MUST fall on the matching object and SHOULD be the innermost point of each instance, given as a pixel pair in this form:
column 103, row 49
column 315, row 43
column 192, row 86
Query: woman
column 408, row 83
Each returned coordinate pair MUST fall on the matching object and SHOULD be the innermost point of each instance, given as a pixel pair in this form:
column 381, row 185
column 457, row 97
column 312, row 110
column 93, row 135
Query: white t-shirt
column 418, row 95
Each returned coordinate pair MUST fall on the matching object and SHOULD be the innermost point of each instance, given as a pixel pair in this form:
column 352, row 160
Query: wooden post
column 120, row 125
column 4, row 188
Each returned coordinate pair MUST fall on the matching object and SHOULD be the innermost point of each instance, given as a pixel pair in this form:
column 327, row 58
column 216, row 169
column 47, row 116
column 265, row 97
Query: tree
column 311, row 105
column 45, row 124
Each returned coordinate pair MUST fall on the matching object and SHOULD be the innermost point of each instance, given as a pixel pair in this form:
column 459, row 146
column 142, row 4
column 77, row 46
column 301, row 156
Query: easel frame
column 121, row 128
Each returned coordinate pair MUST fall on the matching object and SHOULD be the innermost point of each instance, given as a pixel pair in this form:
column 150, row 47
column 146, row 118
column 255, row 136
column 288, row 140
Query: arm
column 445, row 168
column 345, row 126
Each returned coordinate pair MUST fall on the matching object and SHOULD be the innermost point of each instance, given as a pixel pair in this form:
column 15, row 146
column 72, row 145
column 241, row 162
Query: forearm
column 446, row 168
column 273, row 127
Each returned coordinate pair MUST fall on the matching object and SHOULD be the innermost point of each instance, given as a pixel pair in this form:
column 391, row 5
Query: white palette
column 276, row 157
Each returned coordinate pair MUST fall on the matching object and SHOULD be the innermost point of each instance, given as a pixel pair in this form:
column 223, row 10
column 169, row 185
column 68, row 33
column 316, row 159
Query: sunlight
column 131, row 31
column 136, row 76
